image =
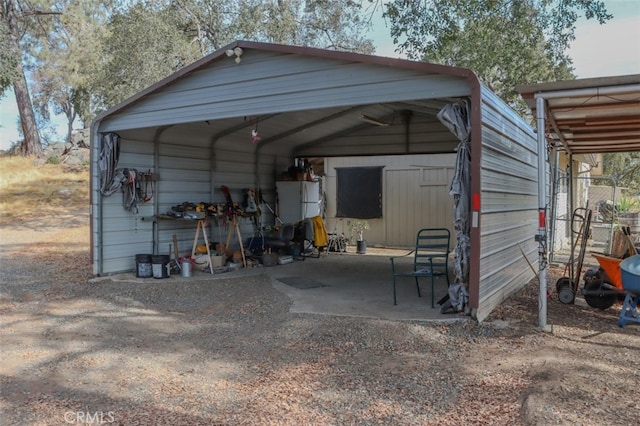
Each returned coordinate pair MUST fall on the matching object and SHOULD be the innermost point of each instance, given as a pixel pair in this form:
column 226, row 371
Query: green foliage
column 627, row 204
column 85, row 56
column 504, row 42
column 142, row 47
column 8, row 61
column 624, row 168
column 330, row 24
column 53, row 160
column 357, row 228
column 72, row 54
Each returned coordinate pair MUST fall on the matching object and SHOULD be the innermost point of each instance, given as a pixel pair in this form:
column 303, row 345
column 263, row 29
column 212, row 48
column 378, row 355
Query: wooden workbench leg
column 206, row 242
column 230, row 233
column 244, row 260
column 195, row 240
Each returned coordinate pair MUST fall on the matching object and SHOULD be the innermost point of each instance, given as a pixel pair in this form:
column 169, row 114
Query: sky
column 598, row 51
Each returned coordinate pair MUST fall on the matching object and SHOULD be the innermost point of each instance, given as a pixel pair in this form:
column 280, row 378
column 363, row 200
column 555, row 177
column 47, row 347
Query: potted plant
column 358, row 226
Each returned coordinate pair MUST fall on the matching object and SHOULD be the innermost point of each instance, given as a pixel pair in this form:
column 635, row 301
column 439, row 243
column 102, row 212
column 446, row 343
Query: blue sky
column 598, row 51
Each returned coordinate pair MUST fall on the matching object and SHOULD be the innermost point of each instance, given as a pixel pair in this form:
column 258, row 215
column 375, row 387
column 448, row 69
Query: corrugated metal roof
column 595, row 115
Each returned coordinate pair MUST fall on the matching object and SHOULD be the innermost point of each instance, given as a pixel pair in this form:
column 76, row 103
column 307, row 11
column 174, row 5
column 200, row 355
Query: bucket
column 185, row 268
column 269, row 259
column 160, row 265
column 143, row 266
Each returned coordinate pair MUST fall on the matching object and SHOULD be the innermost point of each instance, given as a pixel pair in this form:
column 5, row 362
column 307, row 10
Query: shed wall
column 415, row 195
column 509, row 203
column 264, row 83
column 184, row 173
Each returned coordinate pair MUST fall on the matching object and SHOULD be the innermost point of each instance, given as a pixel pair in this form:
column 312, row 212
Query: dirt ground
column 229, row 352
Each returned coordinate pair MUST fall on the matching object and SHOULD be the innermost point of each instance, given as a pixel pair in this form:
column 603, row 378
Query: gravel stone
column 227, row 351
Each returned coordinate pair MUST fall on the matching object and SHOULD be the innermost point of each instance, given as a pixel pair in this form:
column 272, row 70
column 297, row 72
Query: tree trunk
column 31, row 144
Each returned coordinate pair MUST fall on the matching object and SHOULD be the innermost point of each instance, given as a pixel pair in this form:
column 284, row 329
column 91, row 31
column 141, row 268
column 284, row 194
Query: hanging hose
column 130, row 191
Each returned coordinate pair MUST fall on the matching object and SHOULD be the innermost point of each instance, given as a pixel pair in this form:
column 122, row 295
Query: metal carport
column 578, row 117
column 193, row 130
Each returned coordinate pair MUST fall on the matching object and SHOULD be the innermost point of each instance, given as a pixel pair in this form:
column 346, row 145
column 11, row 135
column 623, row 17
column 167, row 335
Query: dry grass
column 31, row 189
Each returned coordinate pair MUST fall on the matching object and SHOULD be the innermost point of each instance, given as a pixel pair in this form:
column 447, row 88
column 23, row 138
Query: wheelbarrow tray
column 630, row 272
column 611, row 266
column 630, row 269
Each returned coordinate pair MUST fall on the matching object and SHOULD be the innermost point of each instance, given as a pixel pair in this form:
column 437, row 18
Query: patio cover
column 586, row 116
column 590, row 116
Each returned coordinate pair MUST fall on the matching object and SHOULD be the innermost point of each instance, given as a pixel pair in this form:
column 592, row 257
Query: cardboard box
column 217, row 261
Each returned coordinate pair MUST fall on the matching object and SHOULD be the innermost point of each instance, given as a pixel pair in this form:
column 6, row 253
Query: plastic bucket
column 160, row 266
column 143, row 266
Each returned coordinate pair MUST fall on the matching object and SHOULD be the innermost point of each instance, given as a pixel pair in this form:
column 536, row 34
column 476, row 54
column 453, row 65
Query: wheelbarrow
column 604, row 287
column 630, row 271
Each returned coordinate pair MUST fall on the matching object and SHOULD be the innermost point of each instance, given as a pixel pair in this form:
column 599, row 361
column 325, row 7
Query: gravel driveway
column 229, row 352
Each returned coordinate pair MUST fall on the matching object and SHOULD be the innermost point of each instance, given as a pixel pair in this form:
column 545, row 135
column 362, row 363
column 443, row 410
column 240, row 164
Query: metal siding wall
column 407, row 199
column 417, row 198
column 185, row 175
column 125, row 234
column 509, row 203
column 265, row 83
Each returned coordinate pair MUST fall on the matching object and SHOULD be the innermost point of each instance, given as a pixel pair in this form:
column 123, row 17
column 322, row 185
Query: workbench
column 201, row 224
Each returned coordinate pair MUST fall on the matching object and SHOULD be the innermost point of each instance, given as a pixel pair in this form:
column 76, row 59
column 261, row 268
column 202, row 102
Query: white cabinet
column 298, row 200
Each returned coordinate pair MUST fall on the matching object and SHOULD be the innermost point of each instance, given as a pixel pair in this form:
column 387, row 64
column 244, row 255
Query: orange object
column 611, row 266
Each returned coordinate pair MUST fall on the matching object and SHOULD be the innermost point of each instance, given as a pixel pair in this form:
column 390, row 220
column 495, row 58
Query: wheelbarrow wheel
column 564, row 287
column 599, row 301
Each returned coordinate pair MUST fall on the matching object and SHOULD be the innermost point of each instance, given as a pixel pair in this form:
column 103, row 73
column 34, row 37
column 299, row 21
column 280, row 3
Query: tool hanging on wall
column 130, row 190
column 146, row 187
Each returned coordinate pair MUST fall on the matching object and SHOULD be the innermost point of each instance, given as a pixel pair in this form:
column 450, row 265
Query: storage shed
column 241, row 116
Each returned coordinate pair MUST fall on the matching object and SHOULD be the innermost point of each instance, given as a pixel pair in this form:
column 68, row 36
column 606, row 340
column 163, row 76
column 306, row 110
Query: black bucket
column 160, row 265
column 143, row 266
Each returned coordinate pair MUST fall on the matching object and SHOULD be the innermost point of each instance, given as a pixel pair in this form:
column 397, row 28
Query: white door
column 415, row 199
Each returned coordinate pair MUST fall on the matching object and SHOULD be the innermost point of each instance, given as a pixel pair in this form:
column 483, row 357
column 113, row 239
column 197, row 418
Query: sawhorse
column 235, row 226
column 202, row 223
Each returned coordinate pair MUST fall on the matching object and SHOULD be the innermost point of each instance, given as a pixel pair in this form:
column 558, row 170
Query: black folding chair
column 430, row 259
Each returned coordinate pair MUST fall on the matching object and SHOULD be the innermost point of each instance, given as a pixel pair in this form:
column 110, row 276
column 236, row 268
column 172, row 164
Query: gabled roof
column 595, row 115
column 423, row 67
column 309, row 102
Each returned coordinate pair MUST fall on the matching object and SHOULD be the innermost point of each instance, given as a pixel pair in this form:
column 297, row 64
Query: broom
column 174, row 266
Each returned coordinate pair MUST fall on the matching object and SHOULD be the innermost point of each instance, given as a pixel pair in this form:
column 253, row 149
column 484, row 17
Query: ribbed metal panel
column 415, row 195
column 124, row 233
column 264, row 83
column 186, row 173
column 508, row 203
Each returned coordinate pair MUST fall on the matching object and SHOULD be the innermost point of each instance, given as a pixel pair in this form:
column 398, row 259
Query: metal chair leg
column 394, row 290
column 433, row 303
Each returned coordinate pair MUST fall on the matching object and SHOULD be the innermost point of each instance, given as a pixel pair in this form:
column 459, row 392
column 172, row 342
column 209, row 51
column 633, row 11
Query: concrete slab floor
column 345, row 284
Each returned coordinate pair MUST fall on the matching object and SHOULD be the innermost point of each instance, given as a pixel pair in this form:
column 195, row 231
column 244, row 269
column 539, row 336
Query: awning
column 579, row 117
column 594, row 115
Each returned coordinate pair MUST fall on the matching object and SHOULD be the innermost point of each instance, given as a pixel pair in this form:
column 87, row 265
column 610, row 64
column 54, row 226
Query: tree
column 15, row 18
column 330, row 24
column 166, row 36
column 624, row 168
column 8, row 62
column 144, row 45
column 69, row 55
column 504, row 42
